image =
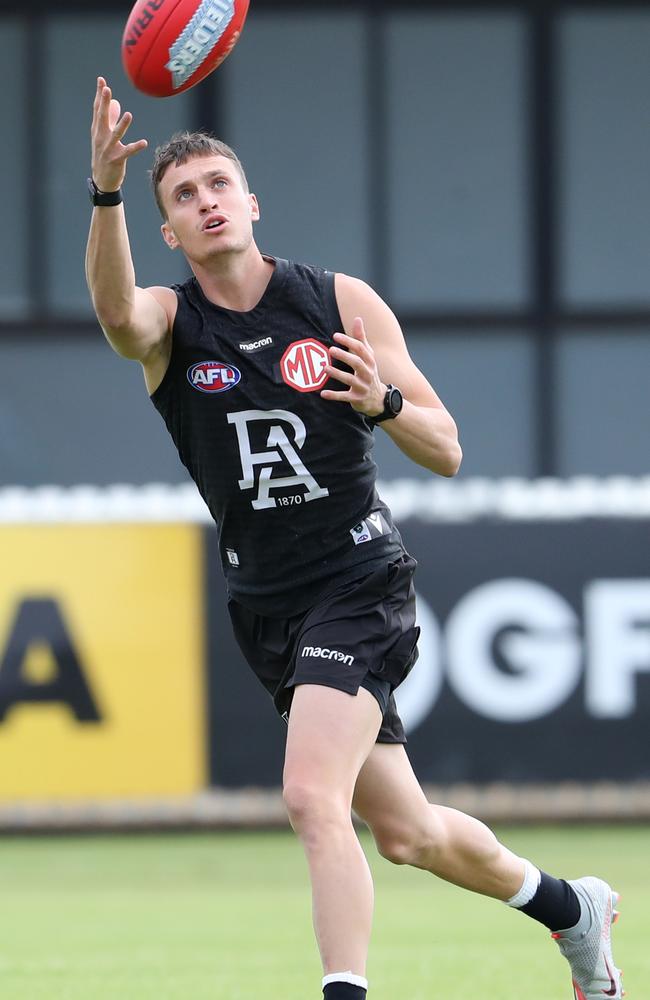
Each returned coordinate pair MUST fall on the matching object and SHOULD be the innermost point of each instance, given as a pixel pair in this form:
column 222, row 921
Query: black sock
column 555, row 904
column 343, row 991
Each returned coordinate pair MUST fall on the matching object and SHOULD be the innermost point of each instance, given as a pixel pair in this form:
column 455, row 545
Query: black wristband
column 104, row 199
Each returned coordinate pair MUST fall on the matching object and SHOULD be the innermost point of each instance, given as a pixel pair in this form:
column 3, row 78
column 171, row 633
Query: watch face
column 395, row 401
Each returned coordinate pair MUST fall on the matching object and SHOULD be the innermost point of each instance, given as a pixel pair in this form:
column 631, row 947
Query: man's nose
column 209, row 200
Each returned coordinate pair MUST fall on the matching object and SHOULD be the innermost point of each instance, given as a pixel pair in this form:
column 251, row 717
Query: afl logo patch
column 303, row 365
column 213, row 376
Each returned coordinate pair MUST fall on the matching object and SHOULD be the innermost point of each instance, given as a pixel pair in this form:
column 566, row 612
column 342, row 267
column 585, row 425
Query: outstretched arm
column 136, row 321
column 373, row 348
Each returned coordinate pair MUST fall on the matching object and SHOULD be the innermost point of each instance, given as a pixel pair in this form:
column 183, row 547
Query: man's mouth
column 215, row 223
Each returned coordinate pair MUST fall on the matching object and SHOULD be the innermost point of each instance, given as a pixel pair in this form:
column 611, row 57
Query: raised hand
column 109, row 153
column 365, row 391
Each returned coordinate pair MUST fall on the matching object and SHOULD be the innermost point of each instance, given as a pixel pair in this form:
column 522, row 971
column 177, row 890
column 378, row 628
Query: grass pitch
column 227, row 917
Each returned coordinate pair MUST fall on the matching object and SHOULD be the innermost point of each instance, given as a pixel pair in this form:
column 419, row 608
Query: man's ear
column 169, row 236
column 255, row 208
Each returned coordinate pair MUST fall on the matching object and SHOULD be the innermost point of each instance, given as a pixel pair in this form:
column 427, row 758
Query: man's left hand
column 366, row 390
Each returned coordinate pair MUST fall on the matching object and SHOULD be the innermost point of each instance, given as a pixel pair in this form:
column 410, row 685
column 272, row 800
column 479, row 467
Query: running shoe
column 587, row 947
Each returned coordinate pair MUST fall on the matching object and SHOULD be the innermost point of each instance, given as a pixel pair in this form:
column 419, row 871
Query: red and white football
column 169, row 46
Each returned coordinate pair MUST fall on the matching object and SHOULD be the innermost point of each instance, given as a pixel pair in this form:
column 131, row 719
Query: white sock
column 345, row 977
column 530, row 885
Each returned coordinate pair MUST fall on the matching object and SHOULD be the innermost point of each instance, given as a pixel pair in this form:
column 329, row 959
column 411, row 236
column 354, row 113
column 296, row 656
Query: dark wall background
column 484, row 166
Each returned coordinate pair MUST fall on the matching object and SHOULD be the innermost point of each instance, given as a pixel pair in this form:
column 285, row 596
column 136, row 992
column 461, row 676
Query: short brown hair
column 184, row 146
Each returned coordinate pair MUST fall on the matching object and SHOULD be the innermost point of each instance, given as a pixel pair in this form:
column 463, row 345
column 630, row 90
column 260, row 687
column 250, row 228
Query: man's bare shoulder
column 165, row 297
column 146, row 333
column 356, row 297
column 351, row 289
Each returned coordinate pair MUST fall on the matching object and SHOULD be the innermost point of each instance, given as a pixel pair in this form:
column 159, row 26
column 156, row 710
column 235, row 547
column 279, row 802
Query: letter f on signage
column 617, row 616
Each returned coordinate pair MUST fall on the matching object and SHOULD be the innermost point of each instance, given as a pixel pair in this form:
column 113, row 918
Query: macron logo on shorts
column 328, row 654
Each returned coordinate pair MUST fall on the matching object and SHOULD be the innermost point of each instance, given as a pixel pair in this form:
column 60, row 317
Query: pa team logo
column 213, row 376
column 303, row 365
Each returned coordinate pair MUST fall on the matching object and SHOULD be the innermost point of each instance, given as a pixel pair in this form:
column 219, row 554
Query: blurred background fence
column 486, row 168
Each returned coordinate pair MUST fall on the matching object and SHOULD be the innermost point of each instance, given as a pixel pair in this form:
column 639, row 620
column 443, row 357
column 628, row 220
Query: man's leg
column 460, row 849
column 330, row 736
column 409, row 830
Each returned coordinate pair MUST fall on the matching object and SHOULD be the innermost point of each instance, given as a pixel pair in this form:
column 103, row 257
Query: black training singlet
column 287, row 476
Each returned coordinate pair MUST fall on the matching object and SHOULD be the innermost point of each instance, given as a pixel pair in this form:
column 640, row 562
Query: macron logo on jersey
column 328, row 654
column 256, row 345
column 213, row 376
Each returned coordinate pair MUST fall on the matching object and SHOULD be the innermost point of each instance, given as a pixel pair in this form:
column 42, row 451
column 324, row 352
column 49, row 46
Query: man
column 271, row 377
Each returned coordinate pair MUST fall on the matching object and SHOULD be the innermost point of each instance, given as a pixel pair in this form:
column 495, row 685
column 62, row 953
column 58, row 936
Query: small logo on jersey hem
column 303, row 365
column 373, row 526
column 213, row 376
column 256, row 345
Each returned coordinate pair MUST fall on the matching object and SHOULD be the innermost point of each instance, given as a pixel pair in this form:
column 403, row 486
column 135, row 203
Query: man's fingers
column 114, row 112
column 97, row 103
column 135, row 147
column 109, row 128
column 359, row 330
column 104, row 105
column 121, row 126
column 354, row 345
column 101, row 83
column 347, row 357
column 336, row 397
column 346, row 377
column 120, row 130
column 98, row 91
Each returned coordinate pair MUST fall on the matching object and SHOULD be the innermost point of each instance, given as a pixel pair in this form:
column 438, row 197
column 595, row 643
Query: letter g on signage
column 535, row 631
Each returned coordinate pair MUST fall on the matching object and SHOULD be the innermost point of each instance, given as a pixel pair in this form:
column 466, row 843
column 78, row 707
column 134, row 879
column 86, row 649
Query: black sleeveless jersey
column 288, row 477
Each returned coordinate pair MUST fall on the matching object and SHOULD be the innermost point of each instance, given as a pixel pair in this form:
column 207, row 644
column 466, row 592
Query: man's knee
column 416, row 843
column 313, row 810
column 301, row 799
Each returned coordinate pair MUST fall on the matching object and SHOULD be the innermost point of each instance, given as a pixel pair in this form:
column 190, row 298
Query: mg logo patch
column 303, row 365
column 213, row 376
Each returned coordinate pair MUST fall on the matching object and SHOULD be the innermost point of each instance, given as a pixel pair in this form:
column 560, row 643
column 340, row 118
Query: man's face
column 208, row 210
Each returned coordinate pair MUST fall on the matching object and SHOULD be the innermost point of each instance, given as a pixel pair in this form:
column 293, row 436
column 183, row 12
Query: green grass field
column 227, row 917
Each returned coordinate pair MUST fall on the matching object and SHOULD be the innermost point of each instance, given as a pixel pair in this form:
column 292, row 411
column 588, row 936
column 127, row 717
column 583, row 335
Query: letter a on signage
column 40, row 621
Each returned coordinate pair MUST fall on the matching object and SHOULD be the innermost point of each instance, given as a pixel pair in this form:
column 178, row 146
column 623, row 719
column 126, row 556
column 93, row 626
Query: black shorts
column 361, row 635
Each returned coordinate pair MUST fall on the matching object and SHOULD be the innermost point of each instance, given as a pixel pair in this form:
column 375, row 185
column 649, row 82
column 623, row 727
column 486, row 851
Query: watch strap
column 103, row 199
column 389, row 411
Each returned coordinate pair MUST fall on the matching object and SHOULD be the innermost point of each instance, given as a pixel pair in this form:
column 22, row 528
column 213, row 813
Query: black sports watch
column 393, row 403
column 104, row 199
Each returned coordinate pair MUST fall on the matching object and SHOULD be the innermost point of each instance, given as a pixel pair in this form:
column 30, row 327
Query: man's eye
column 184, row 195
column 220, row 182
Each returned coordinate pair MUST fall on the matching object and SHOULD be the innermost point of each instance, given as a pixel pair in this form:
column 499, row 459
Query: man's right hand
column 109, row 153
